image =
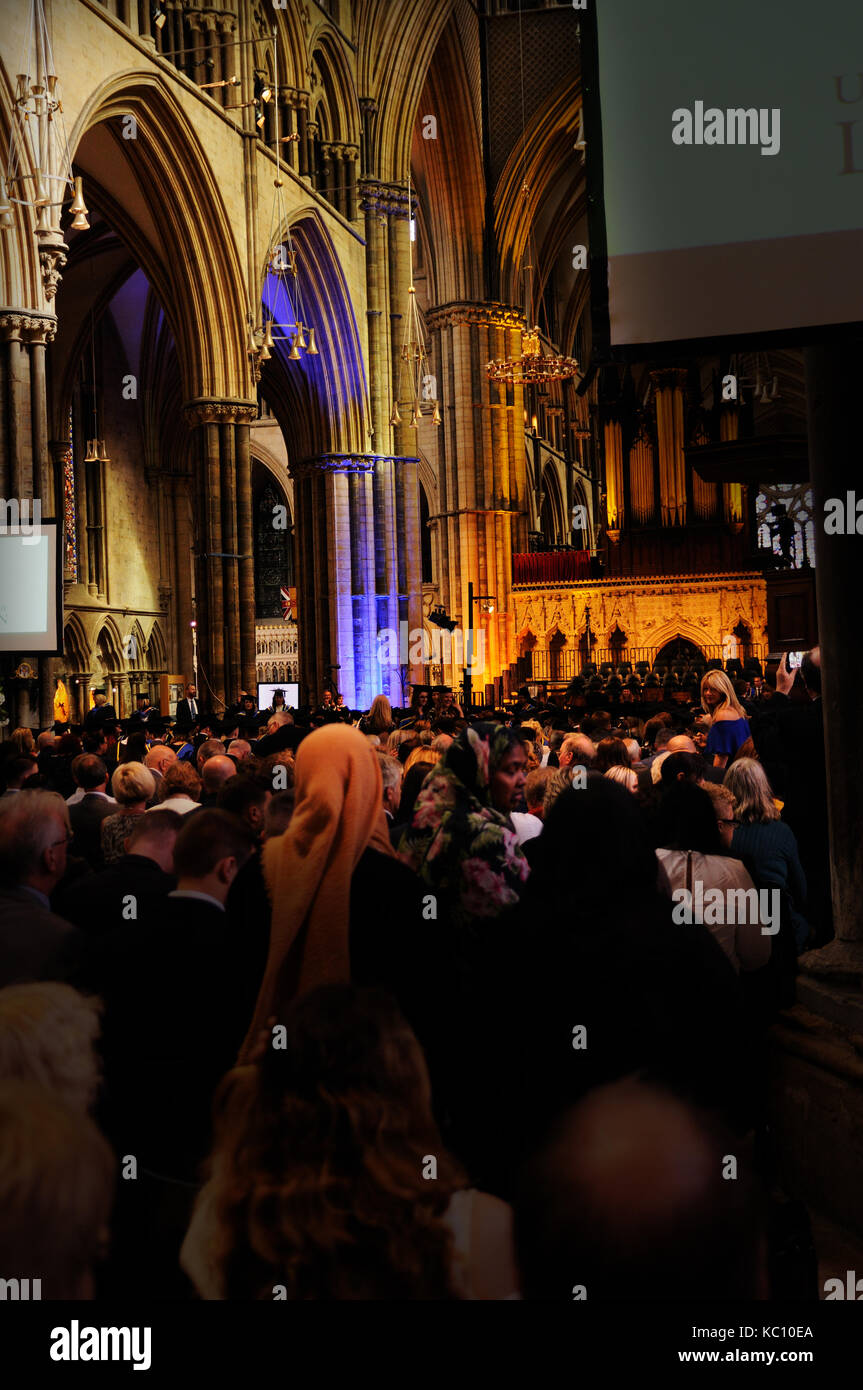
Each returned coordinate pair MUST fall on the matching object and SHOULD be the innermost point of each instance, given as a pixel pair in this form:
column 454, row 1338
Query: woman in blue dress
column 729, row 727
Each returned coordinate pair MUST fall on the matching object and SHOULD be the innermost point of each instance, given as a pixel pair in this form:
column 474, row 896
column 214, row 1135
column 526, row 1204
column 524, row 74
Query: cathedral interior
column 263, row 382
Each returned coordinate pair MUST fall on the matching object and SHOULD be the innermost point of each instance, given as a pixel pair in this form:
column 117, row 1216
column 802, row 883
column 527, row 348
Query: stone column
column 334, row 504
column 221, row 584
column 482, row 473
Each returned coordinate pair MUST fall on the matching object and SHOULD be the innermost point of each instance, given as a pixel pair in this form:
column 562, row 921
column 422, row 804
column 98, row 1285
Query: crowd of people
column 418, row 1004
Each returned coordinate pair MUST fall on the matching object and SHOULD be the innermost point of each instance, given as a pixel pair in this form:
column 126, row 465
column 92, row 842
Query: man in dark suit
column 188, row 710
column 176, row 1012
column 86, row 815
column 35, row 944
column 130, row 889
column 101, row 715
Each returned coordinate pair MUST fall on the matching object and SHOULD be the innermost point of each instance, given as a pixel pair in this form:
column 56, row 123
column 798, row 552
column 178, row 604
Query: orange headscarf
column 338, row 814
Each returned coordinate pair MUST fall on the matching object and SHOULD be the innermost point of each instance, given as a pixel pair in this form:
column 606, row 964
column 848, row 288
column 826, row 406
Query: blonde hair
column 717, row 680
column 22, row 741
column 380, row 716
column 132, row 782
column 747, row 782
column 424, row 753
column 48, row 1035
column 624, row 775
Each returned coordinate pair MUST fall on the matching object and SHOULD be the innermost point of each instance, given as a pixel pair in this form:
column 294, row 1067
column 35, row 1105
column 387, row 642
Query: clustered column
column 482, row 472
column 224, row 572
column 334, row 501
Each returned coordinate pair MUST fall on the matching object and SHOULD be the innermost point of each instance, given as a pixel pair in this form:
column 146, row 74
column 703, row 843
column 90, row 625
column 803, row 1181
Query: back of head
column 132, row 782
column 338, row 1120
column 628, row 1202
column 687, row 820
column 48, row 1034
column 89, row 771
column 18, row 769
column 158, row 825
column 208, row 837
column 747, row 782
column 810, row 671
column 593, row 837
column 534, row 788
column 56, row 1190
column 681, row 766
column 135, row 749
column 29, row 823
column 210, row 748
column 277, row 816
column 611, row 752
column 216, row 771
column 180, row 779
column 239, row 794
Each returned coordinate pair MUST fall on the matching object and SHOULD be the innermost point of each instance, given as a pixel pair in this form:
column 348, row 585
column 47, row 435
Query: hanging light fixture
column 414, row 374
column 282, row 313
column 535, row 366
column 38, row 172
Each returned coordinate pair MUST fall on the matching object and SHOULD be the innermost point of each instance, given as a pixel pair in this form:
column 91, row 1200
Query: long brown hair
column 321, row 1160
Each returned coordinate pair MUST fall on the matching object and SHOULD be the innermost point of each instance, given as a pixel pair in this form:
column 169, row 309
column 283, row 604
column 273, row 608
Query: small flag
column 289, row 603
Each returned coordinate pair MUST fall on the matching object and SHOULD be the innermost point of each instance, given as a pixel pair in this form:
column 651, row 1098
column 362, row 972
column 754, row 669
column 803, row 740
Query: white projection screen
column 31, row 609
column 266, row 691
column 705, row 239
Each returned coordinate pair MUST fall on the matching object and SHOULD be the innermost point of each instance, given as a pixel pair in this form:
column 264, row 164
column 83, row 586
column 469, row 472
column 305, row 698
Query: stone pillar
column 338, row 624
column 221, row 585
column 482, row 473
column 832, row 374
column 245, row 545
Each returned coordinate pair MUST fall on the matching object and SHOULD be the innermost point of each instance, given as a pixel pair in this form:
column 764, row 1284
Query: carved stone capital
column 219, row 411
column 390, row 199
column 27, row 325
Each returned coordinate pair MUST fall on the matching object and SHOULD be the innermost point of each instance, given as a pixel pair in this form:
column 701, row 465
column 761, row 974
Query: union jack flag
column 287, row 603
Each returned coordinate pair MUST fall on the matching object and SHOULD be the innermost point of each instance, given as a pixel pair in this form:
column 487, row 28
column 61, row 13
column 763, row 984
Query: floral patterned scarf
column 463, row 848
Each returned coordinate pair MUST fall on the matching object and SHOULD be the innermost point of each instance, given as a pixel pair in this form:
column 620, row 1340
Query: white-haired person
column 133, row 785
column 48, row 1037
column 729, row 726
column 626, row 776
column 766, row 845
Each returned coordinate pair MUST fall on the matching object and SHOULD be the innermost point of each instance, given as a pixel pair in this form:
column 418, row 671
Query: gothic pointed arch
column 202, row 290
column 320, row 401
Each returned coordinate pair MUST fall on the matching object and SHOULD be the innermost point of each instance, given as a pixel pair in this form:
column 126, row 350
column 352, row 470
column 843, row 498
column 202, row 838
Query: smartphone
column 793, row 660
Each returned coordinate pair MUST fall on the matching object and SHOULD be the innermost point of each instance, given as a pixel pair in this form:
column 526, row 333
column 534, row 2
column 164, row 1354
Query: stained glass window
column 786, row 531
column 70, row 536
